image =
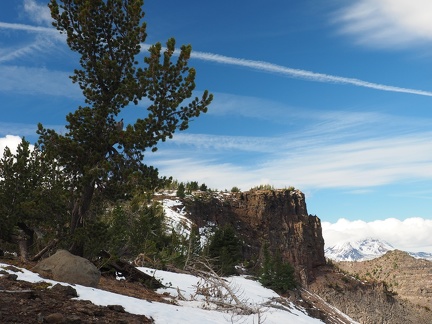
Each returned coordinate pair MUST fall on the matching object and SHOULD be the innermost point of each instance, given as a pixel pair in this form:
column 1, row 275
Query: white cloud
column 37, row 12
column 10, row 141
column 411, row 234
column 387, row 23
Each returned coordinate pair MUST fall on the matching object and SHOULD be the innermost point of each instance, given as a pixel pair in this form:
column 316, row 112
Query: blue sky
column 332, row 97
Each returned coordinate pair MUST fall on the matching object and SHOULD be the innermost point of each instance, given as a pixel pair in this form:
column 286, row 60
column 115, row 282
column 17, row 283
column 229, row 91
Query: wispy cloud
column 257, row 65
column 17, row 129
column 39, row 45
column 387, row 23
column 28, row 28
column 250, row 106
column 298, row 73
column 411, row 234
column 355, row 164
column 37, row 81
column 309, row 158
column 37, row 12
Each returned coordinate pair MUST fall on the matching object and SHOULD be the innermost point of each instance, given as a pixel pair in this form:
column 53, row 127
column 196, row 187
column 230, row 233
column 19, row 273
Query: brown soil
column 24, row 302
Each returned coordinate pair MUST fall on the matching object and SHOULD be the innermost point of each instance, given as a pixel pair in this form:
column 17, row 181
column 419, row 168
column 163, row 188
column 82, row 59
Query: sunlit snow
column 190, row 312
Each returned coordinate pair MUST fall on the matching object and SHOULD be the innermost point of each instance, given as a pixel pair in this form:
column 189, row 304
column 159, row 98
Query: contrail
column 302, row 74
column 297, row 73
column 28, row 28
column 256, row 65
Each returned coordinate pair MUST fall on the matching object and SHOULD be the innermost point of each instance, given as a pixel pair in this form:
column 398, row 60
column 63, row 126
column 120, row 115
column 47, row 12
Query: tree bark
column 22, row 245
column 79, row 211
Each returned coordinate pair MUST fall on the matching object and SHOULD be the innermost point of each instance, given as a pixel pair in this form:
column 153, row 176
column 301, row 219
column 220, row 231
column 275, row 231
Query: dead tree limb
column 45, row 249
column 115, row 266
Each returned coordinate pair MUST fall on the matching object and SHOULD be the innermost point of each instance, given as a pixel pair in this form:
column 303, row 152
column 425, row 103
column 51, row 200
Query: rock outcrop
column 278, row 218
column 66, row 267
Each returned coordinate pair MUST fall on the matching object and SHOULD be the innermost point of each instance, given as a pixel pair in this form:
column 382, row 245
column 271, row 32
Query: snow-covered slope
column 366, row 249
column 193, row 307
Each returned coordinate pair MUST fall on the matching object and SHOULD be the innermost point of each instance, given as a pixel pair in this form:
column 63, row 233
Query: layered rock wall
column 276, row 217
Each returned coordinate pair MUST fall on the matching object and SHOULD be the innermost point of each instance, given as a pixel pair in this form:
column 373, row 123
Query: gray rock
column 66, row 267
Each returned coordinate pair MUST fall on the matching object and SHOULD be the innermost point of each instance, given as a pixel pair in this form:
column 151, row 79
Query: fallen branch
column 217, row 280
column 44, row 250
column 113, row 265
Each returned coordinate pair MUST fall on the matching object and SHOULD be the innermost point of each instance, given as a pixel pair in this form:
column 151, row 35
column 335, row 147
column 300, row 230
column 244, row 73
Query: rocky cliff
column 276, row 217
column 280, row 219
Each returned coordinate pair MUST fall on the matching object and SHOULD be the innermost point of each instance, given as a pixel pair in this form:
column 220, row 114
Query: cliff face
column 276, row 217
column 280, row 219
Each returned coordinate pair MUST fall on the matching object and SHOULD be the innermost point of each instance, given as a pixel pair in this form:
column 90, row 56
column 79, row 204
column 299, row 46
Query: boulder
column 66, row 267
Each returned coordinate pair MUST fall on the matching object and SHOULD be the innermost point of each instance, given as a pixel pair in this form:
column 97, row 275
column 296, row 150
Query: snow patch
column 190, row 312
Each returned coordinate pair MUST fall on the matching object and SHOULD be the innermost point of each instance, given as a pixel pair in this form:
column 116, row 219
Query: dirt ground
column 24, row 302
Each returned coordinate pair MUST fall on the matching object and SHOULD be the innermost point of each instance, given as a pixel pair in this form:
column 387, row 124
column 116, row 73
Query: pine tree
column 33, row 195
column 181, row 190
column 98, row 152
column 225, row 250
column 275, row 273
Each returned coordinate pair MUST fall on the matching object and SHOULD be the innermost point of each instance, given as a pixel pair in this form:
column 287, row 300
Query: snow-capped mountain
column 366, row 249
column 361, row 250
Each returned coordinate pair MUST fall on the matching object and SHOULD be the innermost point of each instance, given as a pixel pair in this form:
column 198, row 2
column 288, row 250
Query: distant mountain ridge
column 366, row 249
column 402, row 274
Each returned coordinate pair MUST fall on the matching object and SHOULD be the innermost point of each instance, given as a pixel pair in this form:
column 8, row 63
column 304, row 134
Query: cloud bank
column 387, row 23
column 411, row 234
column 10, row 141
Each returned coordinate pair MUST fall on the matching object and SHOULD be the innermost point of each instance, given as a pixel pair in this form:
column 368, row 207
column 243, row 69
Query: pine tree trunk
column 22, row 244
column 80, row 209
column 24, row 239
